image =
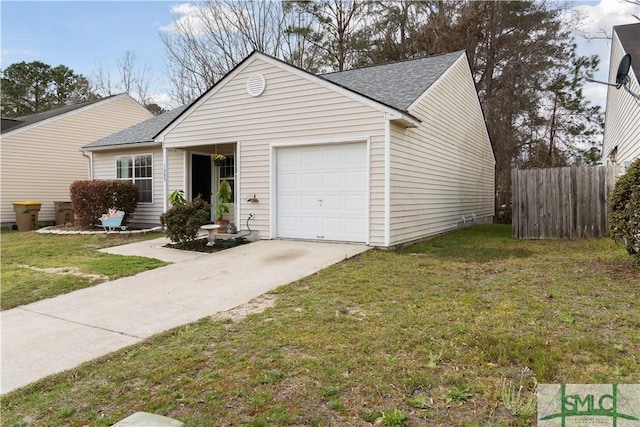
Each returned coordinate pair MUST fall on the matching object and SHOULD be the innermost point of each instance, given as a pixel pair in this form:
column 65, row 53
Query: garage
column 322, row 192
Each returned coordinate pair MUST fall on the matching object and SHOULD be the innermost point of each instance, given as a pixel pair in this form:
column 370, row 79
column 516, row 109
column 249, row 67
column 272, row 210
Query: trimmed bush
column 624, row 209
column 182, row 222
column 92, row 198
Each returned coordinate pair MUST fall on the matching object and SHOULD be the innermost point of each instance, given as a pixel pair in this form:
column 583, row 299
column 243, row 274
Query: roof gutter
column 120, row 146
column 404, row 120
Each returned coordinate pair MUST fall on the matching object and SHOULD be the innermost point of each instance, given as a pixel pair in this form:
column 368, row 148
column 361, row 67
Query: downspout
column 236, row 196
column 90, row 161
column 387, row 180
column 165, row 179
column 185, row 174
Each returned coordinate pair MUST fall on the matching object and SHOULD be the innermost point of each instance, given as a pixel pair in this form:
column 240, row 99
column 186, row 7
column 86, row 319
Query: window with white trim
column 228, row 171
column 139, row 170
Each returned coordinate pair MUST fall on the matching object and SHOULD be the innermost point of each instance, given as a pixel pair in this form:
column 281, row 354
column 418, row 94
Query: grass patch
column 37, row 266
column 459, row 334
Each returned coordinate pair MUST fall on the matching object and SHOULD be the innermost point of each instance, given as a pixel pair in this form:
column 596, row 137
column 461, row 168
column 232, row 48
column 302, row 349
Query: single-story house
column 622, row 120
column 41, row 152
column 382, row 155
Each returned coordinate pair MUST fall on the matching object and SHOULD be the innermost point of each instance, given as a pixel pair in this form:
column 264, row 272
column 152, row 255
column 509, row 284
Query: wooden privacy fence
column 561, row 203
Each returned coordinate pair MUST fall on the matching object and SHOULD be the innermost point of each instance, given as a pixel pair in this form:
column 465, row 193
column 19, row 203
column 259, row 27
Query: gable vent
column 256, row 85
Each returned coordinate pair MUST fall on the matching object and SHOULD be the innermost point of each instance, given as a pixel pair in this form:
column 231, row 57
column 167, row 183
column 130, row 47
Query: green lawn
column 440, row 333
column 37, row 266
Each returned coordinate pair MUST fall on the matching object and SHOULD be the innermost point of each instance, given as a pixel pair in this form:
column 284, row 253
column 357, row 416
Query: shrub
column 182, row 222
column 92, row 198
column 624, row 209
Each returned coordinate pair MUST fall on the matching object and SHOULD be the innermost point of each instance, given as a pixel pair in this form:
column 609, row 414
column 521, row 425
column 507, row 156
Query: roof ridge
column 71, row 107
column 626, row 25
column 42, row 116
column 400, row 61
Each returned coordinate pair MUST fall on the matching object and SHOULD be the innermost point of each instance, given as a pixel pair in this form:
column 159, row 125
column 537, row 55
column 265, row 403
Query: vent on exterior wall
column 256, row 85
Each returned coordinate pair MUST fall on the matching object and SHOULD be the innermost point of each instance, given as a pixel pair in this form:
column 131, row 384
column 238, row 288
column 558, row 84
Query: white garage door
column 322, row 192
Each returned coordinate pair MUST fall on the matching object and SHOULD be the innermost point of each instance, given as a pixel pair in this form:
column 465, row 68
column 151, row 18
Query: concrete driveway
column 59, row 333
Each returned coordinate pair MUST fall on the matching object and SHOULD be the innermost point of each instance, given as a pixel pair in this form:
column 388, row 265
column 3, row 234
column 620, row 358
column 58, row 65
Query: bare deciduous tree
column 211, row 38
column 333, row 29
column 132, row 79
column 637, row 3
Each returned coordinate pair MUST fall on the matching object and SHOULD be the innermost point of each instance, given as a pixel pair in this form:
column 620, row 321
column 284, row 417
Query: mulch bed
column 200, row 245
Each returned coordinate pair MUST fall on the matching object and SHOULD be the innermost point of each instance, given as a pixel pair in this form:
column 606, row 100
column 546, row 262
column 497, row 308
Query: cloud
column 10, row 56
column 596, row 93
column 599, row 18
column 212, row 17
column 25, row 52
column 185, row 15
column 163, row 100
column 596, row 22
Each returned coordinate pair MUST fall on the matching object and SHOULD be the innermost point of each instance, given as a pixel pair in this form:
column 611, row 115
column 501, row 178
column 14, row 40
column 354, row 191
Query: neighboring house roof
column 8, row 124
column 142, row 132
column 16, row 123
column 396, row 84
column 629, row 36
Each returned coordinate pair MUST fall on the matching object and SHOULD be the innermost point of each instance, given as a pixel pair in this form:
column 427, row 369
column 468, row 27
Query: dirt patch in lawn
column 256, row 305
column 625, row 270
column 73, row 271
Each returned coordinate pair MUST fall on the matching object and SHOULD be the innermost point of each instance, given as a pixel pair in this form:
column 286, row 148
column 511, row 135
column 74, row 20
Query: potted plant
column 223, row 197
column 177, row 198
column 218, row 159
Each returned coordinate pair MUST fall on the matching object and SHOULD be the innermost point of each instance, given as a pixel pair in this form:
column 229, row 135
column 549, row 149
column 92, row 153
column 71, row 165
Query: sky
column 83, row 35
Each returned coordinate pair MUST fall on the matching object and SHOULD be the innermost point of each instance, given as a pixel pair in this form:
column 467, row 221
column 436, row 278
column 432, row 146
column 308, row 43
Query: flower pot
column 223, row 225
column 218, row 162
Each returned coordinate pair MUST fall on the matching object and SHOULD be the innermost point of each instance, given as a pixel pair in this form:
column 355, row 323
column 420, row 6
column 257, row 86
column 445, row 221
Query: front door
column 201, row 177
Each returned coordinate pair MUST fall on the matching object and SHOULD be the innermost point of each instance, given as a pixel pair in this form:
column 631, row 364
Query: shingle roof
column 396, row 84
column 141, row 132
column 629, row 36
column 8, row 124
column 16, row 123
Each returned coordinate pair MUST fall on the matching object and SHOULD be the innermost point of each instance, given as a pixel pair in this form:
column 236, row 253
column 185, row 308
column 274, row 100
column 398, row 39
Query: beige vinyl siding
column 292, row 110
column 104, row 167
column 623, row 113
column 443, row 169
column 40, row 162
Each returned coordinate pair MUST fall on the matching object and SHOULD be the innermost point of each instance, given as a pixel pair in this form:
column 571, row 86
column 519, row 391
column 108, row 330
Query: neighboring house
column 622, row 122
column 136, row 146
column 41, row 154
column 383, row 155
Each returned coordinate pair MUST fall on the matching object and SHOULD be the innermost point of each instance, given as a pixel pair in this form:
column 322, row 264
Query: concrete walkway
column 59, row 333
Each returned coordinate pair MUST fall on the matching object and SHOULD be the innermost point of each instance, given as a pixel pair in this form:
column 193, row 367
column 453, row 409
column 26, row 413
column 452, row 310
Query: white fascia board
column 70, row 113
column 335, row 87
column 463, row 56
column 206, row 96
column 122, row 146
column 395, row 114
column 404, row 120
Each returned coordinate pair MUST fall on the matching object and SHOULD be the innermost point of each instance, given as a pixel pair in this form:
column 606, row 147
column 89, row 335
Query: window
column 139, row 170
column 228, row 171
